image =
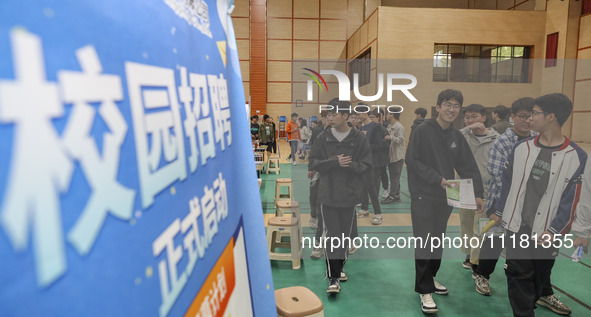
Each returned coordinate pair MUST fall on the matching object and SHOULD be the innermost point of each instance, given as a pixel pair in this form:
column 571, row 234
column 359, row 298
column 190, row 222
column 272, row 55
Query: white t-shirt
column 339, row 135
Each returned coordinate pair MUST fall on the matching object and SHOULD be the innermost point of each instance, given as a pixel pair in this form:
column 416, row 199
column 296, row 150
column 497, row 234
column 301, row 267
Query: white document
column 460, row 194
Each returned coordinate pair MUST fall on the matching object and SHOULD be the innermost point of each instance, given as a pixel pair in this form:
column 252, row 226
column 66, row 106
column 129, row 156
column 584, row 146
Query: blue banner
column 127, row 180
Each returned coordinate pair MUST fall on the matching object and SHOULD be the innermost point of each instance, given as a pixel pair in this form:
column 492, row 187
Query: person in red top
column 293, row 135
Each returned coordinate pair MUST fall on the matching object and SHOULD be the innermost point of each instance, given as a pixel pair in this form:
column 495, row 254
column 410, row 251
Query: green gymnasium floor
column 381, row 281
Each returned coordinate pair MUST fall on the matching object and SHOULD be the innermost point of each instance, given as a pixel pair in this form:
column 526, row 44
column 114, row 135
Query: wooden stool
column 298, row 301
column 283, row 182
column 275, row 227
column 273, row 165
column 290, row 207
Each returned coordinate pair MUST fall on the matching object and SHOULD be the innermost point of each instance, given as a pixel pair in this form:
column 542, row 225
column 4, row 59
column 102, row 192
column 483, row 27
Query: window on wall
column 481, row 63
column 551, row 49
column 586, row 8
column 362, row 66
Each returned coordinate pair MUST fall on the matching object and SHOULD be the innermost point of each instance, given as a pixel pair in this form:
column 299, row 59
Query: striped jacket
column 557, row 207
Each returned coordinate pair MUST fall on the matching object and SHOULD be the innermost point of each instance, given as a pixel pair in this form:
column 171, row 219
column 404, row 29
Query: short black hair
column 450, row 94
column 475, row 108
column 501, row 111
column 556, row 103
column 340, row 106
column 375, row 113
column 254, row 117
column 421, row 112
column 294, row 115
column 396, row 115
column 266, row 116
column 525, row 103
column 303, row 122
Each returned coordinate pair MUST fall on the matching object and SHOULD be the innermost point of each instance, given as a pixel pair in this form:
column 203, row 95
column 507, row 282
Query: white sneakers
column 385, row 194
column 428, row 305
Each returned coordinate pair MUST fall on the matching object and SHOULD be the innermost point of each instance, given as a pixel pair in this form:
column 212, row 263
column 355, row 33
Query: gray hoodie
column 480, row 147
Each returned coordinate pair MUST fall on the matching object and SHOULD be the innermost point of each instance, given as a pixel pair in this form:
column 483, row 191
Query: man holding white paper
column 436, row 149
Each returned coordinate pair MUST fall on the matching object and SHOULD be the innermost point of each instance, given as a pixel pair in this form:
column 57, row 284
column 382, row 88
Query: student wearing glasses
column 436, row 151
column 540, row 190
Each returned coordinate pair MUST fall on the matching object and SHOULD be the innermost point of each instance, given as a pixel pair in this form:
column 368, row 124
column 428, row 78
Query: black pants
column 383, row 177
column 395, row 171
column 528, row 273
column 429, row 219
column 372, row 185
column 314, row 207
column 337, row 222
column 489, row 255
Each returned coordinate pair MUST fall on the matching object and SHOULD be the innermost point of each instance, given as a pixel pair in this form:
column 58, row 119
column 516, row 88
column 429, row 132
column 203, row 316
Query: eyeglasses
column 524, row 117
column 454, row 106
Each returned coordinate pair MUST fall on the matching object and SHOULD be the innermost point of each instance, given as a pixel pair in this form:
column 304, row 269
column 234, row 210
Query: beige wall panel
column 505, row 4
column 333, row 9
column 300, row 91
column 245, row 69
column 241, row 9
column 333, row 29
column 326, row 96
column 421, row 28
column 363, row 35
column 584, row 64
column 356, row 6
column 582, row 95
column 530, row 5
column 585, row 32
column 370, row 7
column 305, row 29
column 484, row 4
column 356, row 44
column 581, row 127
column 278, row 50
column 243, row 49
column 306, row 9
column 279, row 92
column 279, row 8
column 328, row 65
column 372, row 31
column 278, row 71
column 456, row 4
column 279, row 28
column 241, row 27
column 354, row 21
column 332, row 50
column 246, row 86
column 350, row 49
column 305, row 50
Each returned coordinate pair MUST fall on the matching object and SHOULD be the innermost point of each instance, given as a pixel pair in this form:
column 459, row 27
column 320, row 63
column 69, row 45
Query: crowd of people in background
column 527, row 178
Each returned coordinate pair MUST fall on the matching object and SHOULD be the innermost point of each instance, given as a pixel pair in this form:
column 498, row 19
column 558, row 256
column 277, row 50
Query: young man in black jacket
column 434, row 151
column 341, row 155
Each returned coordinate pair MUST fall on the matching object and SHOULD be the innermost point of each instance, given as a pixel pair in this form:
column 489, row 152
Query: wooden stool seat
column 298, row 301
column 283, row 221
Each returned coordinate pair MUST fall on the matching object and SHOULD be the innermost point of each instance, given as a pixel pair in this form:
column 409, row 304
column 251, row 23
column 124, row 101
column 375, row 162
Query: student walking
column 341, row 155
column 546, row 172
column 396, row 136
column 436, row 149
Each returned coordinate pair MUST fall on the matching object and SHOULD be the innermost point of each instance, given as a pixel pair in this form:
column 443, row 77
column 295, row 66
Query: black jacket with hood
column 340, row 186
column 433, row 154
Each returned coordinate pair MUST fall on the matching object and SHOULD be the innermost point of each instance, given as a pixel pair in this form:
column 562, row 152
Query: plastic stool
column 275, row 227
column 283, row 182
column 290, row 207
column 273, row 165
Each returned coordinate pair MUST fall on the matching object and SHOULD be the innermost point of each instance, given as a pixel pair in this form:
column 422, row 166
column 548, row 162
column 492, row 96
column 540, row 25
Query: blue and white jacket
column 557, row 207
